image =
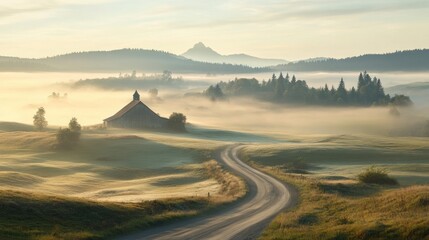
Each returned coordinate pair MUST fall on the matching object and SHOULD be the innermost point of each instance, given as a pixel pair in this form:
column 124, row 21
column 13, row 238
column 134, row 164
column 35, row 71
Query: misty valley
column 214, row 120
column 316, row 133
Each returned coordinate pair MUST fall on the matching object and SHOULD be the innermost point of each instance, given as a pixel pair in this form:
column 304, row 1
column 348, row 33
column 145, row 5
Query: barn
column 136, row 115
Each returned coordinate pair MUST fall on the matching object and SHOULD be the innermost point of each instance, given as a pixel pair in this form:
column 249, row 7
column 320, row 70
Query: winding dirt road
column 244, row 220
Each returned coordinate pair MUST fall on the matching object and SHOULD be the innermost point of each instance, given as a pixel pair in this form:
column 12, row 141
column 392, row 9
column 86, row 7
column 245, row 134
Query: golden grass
column 36, row 216
column 351, row 211
column 333, row 204
column 28, row 140
column 347, row 155
column 231, row 186
column 106, row 165
column 117, row 169
column 27, row 215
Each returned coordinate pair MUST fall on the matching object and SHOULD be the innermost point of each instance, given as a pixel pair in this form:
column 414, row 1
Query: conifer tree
column 341, row 91
column 280, row 86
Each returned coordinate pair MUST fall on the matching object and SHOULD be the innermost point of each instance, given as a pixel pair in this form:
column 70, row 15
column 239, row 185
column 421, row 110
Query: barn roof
column 127, row 108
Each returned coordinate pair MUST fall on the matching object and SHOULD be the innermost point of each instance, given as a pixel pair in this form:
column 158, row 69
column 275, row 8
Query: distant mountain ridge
column 121, row 60
column 408, row 60
column 127, row 60
column 313, row 59
column 200, row 52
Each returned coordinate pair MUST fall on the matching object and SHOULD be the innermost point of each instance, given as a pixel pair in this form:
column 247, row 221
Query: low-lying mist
column 252, row 116
column 22, row 95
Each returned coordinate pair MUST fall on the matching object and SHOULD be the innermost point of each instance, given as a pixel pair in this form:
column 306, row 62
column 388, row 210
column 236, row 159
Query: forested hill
column 141, row 60
column 121, row 60
column 410, row 60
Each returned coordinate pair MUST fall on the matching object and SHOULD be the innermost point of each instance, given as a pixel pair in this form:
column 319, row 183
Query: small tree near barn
column 177, row 122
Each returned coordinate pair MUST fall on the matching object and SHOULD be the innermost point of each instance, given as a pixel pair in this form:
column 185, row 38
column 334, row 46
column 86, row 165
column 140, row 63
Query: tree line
column 410, row 60
column 286, row 89
column 122, row 60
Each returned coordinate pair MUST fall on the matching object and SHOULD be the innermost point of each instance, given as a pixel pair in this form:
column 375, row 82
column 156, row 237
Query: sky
column 286, row 29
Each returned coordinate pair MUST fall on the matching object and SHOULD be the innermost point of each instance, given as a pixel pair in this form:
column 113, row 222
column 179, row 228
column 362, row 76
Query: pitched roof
column 127, row 108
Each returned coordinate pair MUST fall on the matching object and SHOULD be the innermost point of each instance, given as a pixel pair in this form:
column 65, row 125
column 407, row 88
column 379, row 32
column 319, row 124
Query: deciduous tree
column 39, row 119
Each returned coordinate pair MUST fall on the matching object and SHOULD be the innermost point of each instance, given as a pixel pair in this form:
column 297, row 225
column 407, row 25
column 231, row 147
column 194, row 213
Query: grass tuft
column 231, row 185
column 374, row 175
column 308, row 219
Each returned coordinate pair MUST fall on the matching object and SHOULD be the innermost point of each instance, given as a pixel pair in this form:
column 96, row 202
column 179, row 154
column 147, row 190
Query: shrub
column 69, row 137
column 376, row 175
column 401, row 100
column 66, row 138
column 177, row 122
column 308, row 219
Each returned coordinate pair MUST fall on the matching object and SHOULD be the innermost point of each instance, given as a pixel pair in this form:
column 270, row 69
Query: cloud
column 315, row 9
column 28, row 6
column 254, row 12
column 8, row 9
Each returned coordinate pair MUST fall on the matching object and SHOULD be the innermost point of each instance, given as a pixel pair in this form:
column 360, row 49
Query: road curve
column 266, row 197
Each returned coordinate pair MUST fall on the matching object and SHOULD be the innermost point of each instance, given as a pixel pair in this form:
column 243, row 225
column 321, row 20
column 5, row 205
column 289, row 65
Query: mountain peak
column 200, row 52
column 199, row 45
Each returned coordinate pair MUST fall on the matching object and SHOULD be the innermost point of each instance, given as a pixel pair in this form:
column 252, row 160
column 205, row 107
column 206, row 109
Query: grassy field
column 37, row 216
column 113, row 174
column 351, row 211
column 333, row 204
column 27, row 215
column 342, row 157
column 106, row 185
column 106, row 165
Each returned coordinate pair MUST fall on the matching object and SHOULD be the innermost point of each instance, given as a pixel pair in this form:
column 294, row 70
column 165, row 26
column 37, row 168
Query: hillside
column 418, row 91
column 202, row 59
column 333, row 203
column 37, row 216
column 410, row 60
column 120, row 60
column 200, row 52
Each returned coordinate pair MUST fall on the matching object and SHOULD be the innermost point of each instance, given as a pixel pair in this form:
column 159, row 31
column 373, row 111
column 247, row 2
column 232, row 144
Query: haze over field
column 179, row 119
column 25, row 92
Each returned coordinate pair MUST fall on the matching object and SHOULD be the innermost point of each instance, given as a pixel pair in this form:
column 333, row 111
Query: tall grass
column 231, row 185
column 327, row 211
column 25, row 215
column 35, row 216
column 374, row 175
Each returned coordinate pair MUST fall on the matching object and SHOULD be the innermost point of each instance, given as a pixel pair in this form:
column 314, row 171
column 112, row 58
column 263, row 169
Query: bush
column 308, row 219
column 374, row 175
column 401, row 100
column 177, row 122
column 69, row 137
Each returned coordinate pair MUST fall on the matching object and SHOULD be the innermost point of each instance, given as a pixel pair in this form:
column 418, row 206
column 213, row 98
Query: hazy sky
column 289, row 29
